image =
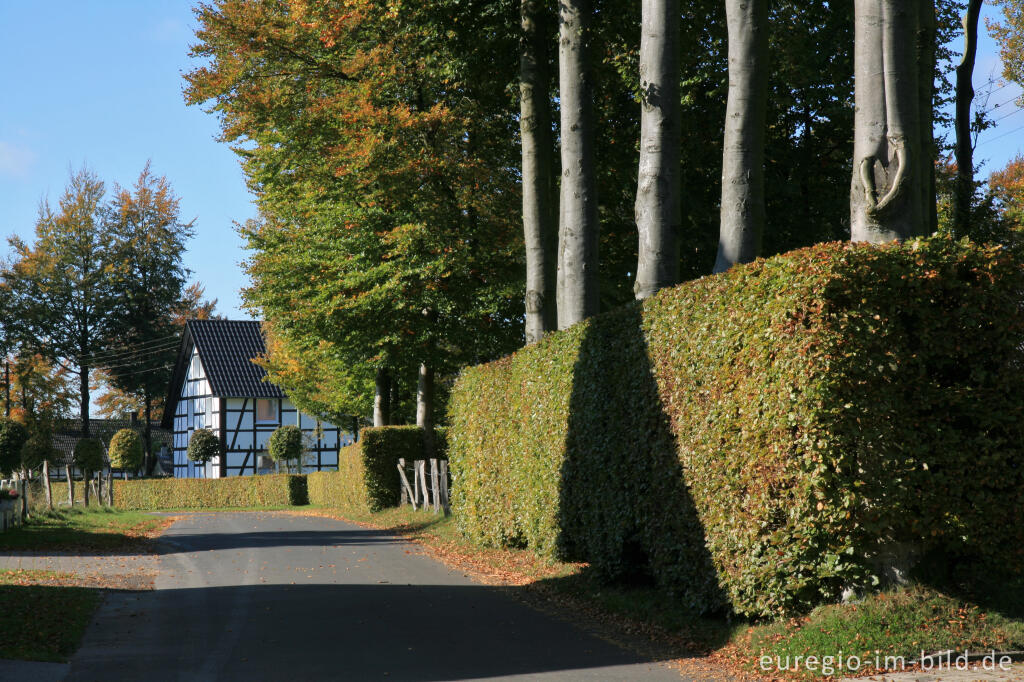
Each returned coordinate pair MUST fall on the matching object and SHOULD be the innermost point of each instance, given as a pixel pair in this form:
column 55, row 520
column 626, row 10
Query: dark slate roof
column 69, row 432
column 226, row 350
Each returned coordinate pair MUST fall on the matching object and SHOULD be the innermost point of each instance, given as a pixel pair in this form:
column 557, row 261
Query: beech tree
column 578, row 296
column 963, row 195
column 148, row 239
column 658, row 202
column 743, row 202
column 892, row 191
column 62, row 284
column 540, row 225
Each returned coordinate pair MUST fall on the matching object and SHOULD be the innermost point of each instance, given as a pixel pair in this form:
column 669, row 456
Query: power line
column 110, row 356
column 1015, row 111
column 152, row 342
column 993, row 139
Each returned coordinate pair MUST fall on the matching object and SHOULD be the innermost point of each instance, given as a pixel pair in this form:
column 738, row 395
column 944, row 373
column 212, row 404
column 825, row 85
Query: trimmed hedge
column 367, row 478
column 761, row 439
column 273, row 490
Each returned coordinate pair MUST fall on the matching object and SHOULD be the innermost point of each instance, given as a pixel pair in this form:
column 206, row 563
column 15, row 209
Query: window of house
column 196, row 367
column 266, row 410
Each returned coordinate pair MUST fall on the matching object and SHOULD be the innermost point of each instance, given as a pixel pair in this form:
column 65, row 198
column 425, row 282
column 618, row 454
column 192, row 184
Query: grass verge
column 99, row 529
column 43, row 615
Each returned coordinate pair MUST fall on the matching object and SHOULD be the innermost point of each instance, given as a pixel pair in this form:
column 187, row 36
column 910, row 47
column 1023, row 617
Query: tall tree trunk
column 927, row 56
column 540, row 227
column 424, row 408
column 382, row 398
column 83, row 396
column 963, row 192
column 658, row 212
column 891, row 166
column 743, row 209
column 578, row 227
column 147, row 462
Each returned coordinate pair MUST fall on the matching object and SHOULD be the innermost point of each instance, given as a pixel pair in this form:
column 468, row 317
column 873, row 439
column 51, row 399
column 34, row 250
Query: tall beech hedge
column 367, row 478
column 758, row 440
column 272, row 490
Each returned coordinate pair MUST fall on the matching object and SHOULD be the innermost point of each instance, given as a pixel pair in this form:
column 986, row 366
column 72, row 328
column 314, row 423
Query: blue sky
column 98, row 82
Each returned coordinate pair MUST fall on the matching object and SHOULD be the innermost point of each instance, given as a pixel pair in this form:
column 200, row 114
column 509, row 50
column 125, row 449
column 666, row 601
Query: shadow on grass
column 43, row 622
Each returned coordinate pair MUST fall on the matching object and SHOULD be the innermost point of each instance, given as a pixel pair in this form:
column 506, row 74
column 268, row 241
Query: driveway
column 262, row 596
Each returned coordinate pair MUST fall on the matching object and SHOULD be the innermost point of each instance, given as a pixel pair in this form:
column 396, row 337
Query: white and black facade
column 217, row 386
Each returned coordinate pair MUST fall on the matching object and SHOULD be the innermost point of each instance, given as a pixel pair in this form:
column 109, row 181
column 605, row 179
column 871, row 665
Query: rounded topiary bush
column 203, row 446
column 125, row 450
column 37, row 449
column 285, row 444
column 89, row 454
column 12, row 438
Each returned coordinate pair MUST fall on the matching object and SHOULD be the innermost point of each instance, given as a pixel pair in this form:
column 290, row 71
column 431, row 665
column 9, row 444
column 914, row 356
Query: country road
column 258, row 596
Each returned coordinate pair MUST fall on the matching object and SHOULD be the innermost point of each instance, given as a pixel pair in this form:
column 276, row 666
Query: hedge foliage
column 760, row 439
column 274, row 490
column 367, row 478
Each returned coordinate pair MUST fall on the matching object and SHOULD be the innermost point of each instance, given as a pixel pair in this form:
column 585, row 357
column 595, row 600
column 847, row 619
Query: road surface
column 261, row 596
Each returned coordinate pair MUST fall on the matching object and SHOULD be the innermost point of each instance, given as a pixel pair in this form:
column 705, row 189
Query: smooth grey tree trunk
column 382, row 398
column 540, row 224
column 743, row 210
column 657, row 210
column 963, row 192
column 927, row 48
column 892, row 122
column 577, row 294
column 424, row 408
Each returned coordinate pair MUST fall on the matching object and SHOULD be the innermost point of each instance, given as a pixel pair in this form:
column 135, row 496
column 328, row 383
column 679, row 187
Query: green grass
column 42, row 622
column 900, row 623
column 93, row 529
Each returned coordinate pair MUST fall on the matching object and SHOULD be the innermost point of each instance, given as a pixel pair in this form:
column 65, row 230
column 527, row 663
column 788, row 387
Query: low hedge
column 761, row 439
column 272, row 490
column 367, row 479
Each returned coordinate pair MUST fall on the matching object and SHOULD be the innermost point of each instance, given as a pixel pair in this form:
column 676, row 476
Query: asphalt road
column 253, row 596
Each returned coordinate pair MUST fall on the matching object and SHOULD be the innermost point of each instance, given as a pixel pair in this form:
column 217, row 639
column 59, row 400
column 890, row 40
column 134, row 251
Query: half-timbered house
column 217, row 386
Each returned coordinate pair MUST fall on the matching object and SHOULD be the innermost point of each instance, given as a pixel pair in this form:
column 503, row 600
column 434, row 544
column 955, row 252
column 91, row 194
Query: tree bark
column 540, row 226
column 382, row 398
column 148, row 463
column 83, row 395
column 658, row 212
column 963, row 192
column 743, row 208
column 577, row 286
column 891, row 166
column 424, row 408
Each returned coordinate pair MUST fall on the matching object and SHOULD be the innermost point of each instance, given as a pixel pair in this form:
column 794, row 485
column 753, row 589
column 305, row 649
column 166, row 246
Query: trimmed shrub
column 12, row 438
column 203, row 446
column 367, row 478
column 125, row 451
column 285, row 444
column 763, row 438
column 88, row 454
column 37, row 449
column 272, row 490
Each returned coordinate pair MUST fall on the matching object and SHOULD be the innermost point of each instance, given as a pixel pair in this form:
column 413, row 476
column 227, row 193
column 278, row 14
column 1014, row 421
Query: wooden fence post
column 421, row 467
column 434, row 486
column 71, row 485
column 407, row 495
column 24, row 499
column 110, row 487
column 444, row 488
